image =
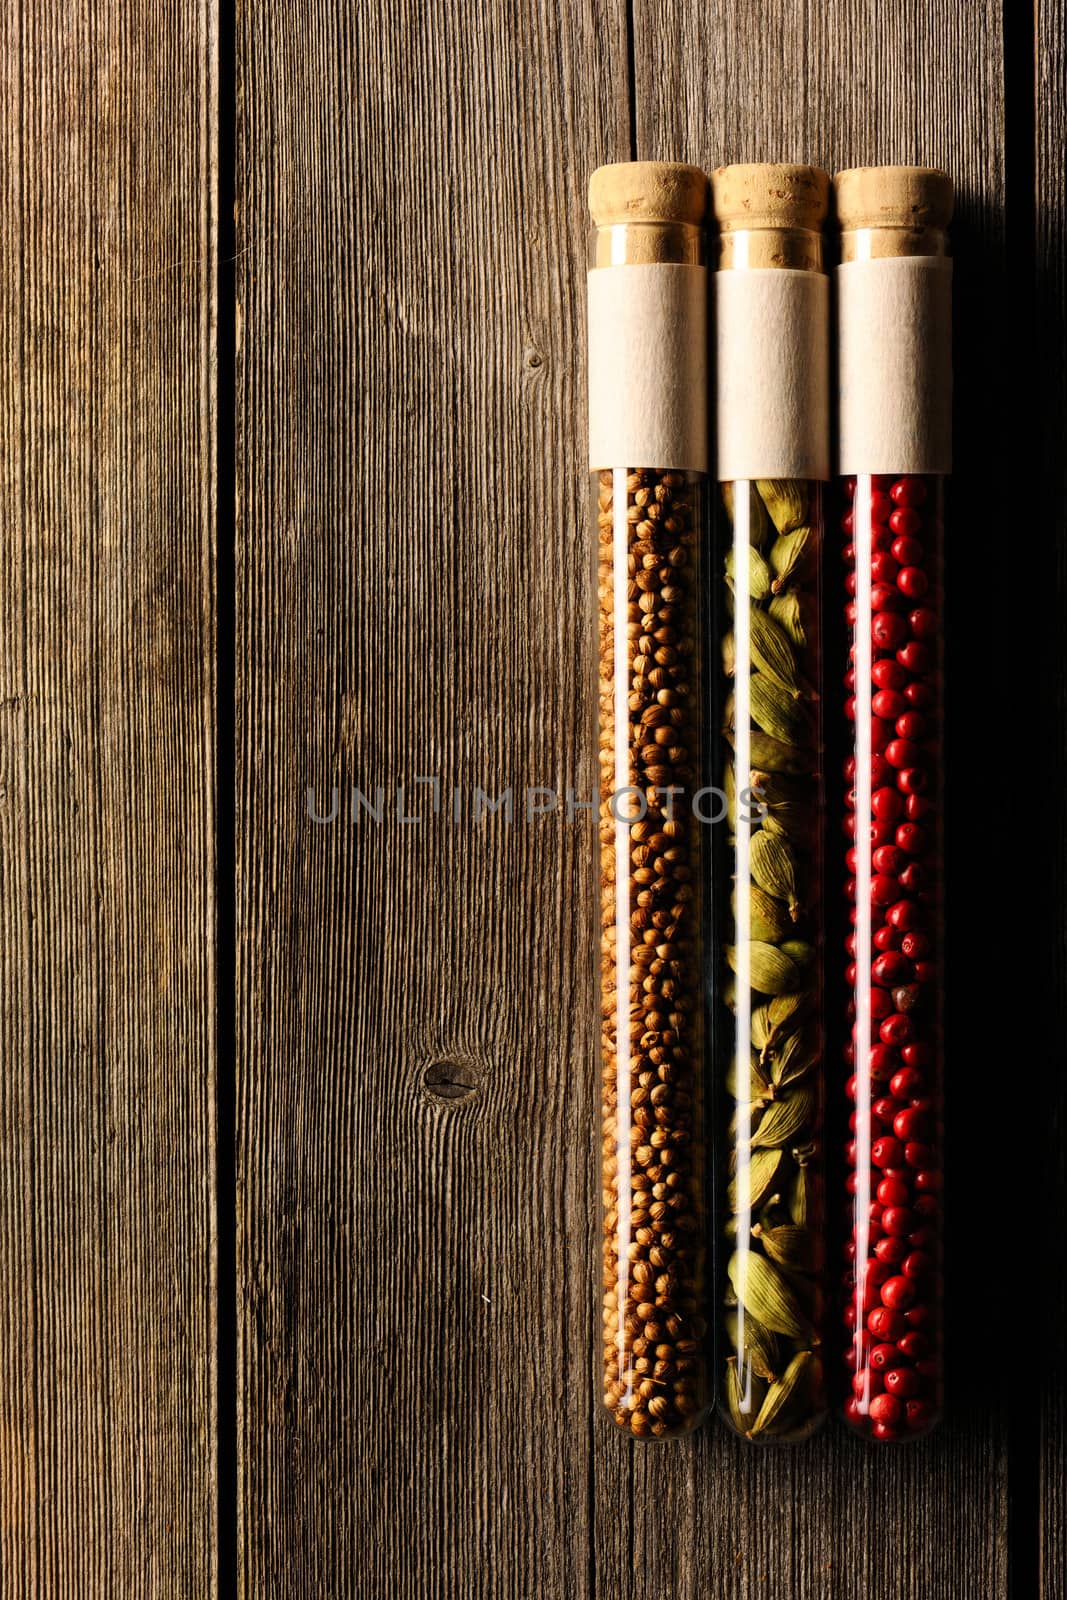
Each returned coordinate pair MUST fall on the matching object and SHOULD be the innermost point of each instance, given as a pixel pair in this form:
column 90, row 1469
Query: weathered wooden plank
column 851, row 83
column 416, row 1271
column 1050, row 325
column 107, row 341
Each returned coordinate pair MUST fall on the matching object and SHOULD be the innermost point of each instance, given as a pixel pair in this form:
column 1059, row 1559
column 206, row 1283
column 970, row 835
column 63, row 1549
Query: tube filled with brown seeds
column 648, row 458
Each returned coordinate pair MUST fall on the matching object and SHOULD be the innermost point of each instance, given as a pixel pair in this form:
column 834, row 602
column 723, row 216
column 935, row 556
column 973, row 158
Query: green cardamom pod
column 759, row 1086
column 799, row 950
column 759, row 524
column 768, row 918
column 773, row 868
column 793, row 1059
column 788, row 613
column 786, row 500
column 786, row 1008
column 753, row 1179
column 769, row 971
column 776, row 711
column 774, row 789
column 771, row 651
column 775, row 756
column 745, row 1395
column 756, row 1346
column 759, row 573
column 762, row 1028
column 788, row 1401
column 799, row 1198
column 764, row 1292
column 794, row 822
column 792, row 1247
column 783, row 1120
column 787, row 553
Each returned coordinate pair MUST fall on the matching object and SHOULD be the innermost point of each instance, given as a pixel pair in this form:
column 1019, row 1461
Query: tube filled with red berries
column 894, row 315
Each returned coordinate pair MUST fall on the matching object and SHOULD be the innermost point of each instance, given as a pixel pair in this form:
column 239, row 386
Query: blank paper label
column 895, row 365
column 648, row 368
column 773, row 377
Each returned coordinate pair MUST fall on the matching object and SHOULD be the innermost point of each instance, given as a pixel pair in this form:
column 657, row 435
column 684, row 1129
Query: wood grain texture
column 413, row 596
column 107, row 343
column 852, row 83
column 1050, row 301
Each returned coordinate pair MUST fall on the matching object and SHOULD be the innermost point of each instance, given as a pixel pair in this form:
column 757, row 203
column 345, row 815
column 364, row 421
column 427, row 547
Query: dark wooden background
column 297, row 1203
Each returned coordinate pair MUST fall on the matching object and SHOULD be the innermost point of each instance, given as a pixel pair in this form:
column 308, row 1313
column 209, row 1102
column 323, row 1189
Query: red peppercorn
column 918, row 1055
column 893, row 1251
column 886, row 805
column 883, row 1432
column 892, row 1192
column 881, row 733
column 906, row 1083
column 883, row 1356
column 889, row 969
column 886, row 1324
column 887, row 597
column 906, row 522
column 912, row 780
column 889, row 631
column 881, row 539
column 923, row 623
column 913, row 1345
column 914, row 878
column 928, row 1183
column 907, row 996
column 902, row 1382
column 866, row 1383
column 913, row 582
column 881, row 1006
column 908, row 492
column 898, row 1221
column 902, row 753
column 919, row 694
column 881, row 506
column 907, row 551
column 905, row 916
column 881, row 772
column 883, row 568
column 883, row 1061
column 884, row 889
column 914, row 656
column 919, row 1155
column 911, row 725
column 889, row 703
column 887, row 1152
column 854, row 1410
column 896, row 1029
column 888, row 939
column 898, row 1293
column 910, row 838
column 910, row 1124
column 885, row 1409
column 888, row 674
column 917, row 1264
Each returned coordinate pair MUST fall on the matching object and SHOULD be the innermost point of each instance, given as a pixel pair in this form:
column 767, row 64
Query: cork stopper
column 893, row 197
column 888, row 212
column 648, row 191
column 770, row 195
